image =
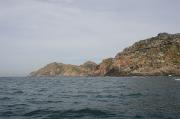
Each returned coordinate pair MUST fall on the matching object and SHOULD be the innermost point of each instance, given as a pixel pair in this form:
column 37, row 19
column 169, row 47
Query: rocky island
column 156, row 56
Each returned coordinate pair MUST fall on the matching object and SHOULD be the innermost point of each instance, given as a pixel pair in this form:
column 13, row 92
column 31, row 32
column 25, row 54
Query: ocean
column 89, row 98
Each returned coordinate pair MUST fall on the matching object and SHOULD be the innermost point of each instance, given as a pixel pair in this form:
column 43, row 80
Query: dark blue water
column 89, row 98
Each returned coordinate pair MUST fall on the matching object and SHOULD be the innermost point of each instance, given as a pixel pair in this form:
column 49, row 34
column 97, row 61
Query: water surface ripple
column 89, row 98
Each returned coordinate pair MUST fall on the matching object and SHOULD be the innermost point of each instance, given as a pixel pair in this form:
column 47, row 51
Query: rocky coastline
column 156, row 56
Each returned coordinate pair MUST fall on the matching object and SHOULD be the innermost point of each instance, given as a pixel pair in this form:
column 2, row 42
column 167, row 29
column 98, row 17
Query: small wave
column 87, row 112
column 17, row 105
column 51, row 114
column 36, row 112
column 18, row 92
column 43, row 102
column 79, row 96
column 43, row 90
column 121, row 86
column 106, row 96
column 49, row 101
column 4, row 98
column 6, row 114
column 134, row 95
column 138, row 117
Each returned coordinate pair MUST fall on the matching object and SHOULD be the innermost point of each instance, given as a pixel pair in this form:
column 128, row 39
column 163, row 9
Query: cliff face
column 59, row 69
column 104, row 67
column 158, row 55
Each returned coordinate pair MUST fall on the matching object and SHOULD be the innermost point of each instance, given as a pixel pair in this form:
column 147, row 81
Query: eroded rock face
column 158, row 55
column 104, row 67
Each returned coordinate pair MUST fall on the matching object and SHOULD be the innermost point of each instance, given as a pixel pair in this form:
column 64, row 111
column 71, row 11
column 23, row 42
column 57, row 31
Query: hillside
column 60, row 69
column 158, row 55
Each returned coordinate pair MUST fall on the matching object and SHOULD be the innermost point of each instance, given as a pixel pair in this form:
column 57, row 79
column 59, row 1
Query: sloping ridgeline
column 158, row 55
column 54, row 69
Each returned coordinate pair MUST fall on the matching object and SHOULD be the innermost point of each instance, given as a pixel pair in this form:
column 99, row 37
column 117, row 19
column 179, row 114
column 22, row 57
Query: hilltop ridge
column 54, row 69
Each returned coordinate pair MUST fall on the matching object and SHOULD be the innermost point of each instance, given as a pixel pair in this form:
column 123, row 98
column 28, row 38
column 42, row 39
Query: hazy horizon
column 37, row 32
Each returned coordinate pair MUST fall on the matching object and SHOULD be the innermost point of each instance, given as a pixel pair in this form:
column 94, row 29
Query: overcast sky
column 36, row 32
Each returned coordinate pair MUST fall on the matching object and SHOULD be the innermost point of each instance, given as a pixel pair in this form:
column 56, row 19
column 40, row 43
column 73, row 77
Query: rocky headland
column 156, row 56
column 60, row 69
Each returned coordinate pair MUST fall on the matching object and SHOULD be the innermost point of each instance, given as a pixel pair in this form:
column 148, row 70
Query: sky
column 34, row 33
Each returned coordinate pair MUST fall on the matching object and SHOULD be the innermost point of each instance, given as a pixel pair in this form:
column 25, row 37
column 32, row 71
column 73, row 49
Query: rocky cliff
column 158, row 55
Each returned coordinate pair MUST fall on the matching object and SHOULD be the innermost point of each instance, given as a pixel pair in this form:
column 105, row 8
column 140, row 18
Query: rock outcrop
column 158, row 55
column 104, row 67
